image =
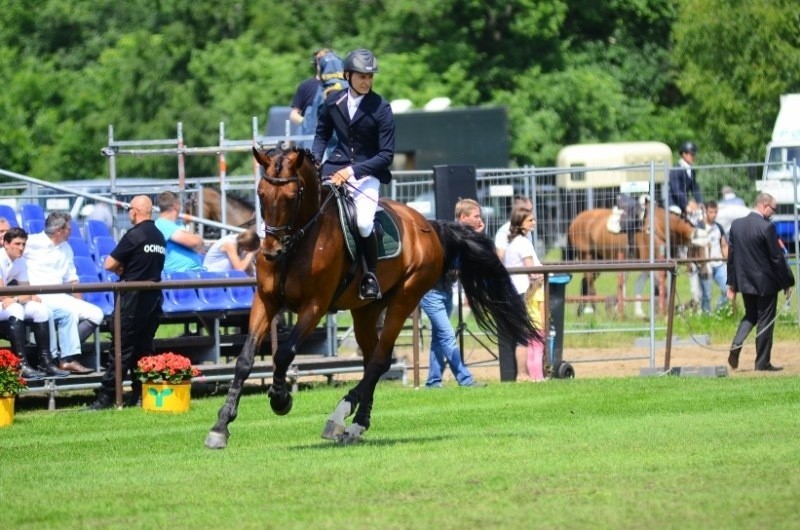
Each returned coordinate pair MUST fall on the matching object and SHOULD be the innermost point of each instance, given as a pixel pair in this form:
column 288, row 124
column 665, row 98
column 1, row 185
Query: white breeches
column 365, row 194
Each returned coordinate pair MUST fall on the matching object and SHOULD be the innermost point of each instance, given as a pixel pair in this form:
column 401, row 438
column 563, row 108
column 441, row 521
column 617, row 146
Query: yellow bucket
column 6, row 410
column 166, row 397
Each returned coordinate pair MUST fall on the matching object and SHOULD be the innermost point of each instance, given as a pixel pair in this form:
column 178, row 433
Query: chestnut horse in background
column 304, row 266
column 589, row 237
column 238, row 211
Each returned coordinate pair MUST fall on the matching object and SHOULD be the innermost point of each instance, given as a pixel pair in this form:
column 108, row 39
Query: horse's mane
column 241, row 201
column 278, row 154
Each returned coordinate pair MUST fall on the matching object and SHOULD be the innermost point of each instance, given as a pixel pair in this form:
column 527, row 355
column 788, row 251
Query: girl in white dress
column 520, row 253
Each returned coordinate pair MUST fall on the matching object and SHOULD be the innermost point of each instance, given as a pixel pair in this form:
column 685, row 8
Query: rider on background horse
column 364, row 126
column 683, row 182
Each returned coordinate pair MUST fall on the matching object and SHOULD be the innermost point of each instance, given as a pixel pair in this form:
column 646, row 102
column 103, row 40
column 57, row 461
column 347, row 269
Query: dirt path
column 625, row 363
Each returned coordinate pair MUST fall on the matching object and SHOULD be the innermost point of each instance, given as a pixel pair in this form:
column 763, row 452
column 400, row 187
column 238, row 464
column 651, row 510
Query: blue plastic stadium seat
column 85, row 266
column 76, row 229
column 93, row 228
column 241, row 296
column 79, row 247
column 8, row 213
column 182, row 300
column 102, row 247
column 104, row 300
column 31, row 211
column 33, row 226
column 215, row 297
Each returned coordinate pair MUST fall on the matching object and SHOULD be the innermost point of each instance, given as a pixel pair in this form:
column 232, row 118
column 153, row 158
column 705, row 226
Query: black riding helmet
column 361, row 61
column 688, row 147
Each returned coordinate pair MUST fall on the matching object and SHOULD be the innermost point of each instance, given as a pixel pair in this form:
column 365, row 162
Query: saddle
column 614, row 224
column 627, row 216
column 389, row 245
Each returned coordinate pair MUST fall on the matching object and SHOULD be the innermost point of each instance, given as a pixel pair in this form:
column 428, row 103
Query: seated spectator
column 184, row 249
column 233, row 252
column 17, row 309
column 50, row 262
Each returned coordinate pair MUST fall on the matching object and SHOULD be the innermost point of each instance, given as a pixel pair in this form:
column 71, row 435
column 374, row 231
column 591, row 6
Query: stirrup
column 370, row 289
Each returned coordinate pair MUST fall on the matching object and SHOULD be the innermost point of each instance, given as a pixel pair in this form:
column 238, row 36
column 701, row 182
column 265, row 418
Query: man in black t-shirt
column 139, row 256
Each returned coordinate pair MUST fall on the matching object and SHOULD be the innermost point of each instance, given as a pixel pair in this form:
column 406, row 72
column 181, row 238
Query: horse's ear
column 262, row 158
column 301, row 155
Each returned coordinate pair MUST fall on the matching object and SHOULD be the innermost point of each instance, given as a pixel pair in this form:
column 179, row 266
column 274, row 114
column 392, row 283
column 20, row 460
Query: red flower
column 11, row 382
column 165, row 368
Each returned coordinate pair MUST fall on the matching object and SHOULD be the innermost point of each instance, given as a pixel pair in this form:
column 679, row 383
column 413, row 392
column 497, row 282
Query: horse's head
column 681, row 231
column 288, row 194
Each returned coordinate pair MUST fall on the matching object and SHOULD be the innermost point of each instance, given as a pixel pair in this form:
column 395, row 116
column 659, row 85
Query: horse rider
column 683, row 182
column 364, row 127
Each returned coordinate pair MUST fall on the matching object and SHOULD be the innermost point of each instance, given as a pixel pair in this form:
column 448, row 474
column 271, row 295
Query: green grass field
column 598, row 453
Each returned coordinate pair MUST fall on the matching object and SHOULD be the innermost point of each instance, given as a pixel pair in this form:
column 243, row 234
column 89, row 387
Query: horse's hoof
column 281, row 407
column 215, row 440
column 352, row 435
column 333, row 430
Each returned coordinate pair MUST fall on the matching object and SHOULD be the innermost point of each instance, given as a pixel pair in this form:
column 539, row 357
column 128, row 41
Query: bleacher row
column 94, row 242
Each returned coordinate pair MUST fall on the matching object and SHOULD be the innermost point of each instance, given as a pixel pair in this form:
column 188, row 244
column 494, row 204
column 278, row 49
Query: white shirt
column 517, row 250
column 501, row 237
column 353, row 103
column 49, row 264
column 714, row 244
column 217, row 259
column 12, row 270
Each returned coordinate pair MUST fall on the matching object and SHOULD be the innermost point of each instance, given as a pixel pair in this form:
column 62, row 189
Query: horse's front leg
column 280, row 399
column 217, row 437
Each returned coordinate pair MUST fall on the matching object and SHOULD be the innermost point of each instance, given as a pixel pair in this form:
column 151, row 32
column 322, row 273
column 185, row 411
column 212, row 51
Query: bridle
column 283, row 233
column 287, row 234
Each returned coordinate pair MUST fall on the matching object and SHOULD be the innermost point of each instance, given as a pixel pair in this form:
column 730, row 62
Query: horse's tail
column 495, row 303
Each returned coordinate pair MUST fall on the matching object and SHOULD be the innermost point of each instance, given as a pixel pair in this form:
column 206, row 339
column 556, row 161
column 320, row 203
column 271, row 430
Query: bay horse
column 303, row 265
column 589, row 237
column 238, row 212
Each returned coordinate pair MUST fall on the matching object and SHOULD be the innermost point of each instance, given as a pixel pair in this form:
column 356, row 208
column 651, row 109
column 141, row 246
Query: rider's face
column 361, row 83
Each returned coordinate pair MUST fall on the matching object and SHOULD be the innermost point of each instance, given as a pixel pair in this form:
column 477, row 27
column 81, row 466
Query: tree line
column 568, row 71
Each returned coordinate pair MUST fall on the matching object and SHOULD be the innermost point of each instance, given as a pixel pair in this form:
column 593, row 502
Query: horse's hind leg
column 586, row 307
column 365, row 322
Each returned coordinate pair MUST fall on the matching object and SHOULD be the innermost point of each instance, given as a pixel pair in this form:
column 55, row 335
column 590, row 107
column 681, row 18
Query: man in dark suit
column 757, row 268
column 364, row 127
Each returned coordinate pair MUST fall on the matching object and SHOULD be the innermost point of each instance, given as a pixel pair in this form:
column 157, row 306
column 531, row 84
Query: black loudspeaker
column 451, row 183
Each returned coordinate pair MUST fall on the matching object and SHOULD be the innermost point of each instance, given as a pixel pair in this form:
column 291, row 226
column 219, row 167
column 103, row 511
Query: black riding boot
column 41, row 332
column 85, row 330
column 370, row 290
column 16, row 336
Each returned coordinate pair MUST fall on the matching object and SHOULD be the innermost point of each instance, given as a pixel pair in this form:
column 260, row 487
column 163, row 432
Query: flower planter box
column 6, row 410
column 166, row 397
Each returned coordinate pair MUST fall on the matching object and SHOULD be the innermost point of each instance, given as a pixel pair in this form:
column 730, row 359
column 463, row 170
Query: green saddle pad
column 388, row 245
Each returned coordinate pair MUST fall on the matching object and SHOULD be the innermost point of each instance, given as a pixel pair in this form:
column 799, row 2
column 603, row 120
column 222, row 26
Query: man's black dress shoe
column 770, row 368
